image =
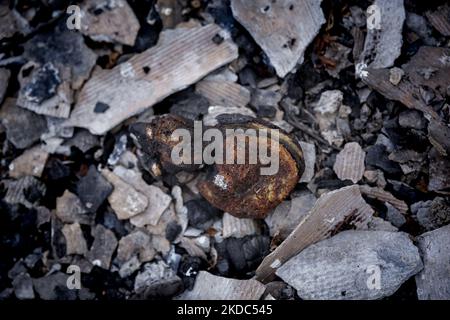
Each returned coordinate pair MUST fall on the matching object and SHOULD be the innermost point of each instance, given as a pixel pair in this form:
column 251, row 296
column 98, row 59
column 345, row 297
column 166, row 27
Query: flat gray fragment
column 23, row 287
column 102, row 249
column 93, row 189
column 343, row 267
column 433, row 282
column 157, row 280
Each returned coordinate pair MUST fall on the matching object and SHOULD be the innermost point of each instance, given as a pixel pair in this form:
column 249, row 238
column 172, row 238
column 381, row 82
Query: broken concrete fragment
column 439, row 18
column 29, row 163
column 326, row 113
column 223, row 93
column 4, row 80
column 129, row 267
column 394, row 216
column 15, row 119
column 23, row 287
column 309, row 153
column 75, row 242
column 353, row 265
column 350, row 162
column 158, row 200
column 431, row 214
column 93, row 189
column 26, row 190
column 384, row 36
column 332, row 211
column 286, row 216
column 384, row 196
column 275, row 28
column 70, row 209
column 433, row 282
column 83, row 140
column 137, row 244
column 102, row 249
column 109, row 21
column 395, row 75
column 125, row 200
column 182, row 57
column 238, row 228
column 157, row 280
column 211, row 287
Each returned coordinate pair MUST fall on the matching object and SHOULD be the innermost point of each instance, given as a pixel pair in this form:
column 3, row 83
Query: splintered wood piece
column 430, row 67
column 283, row 29
column 350, row 162
column 384, row 196
column 440, row 19
column 181, row 57
column 211, row 287
column 332, row 211
column 238, row 228
column 384, row 36
column 113, row 22
column 223, row 93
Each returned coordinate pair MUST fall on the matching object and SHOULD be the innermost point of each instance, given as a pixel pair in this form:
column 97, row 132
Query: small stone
column 129, row 267
column 100, row 107
column 125, row 200
column 201, row 214
column 15, row 119
column 23, row 287
column 93, row 189
column 137, row 244
column 326, row 110
column 157, row 280
column 396, row 75
column 75, row 242
column 309, row 153
column 30, row 163
column 69, row 209
column 412, row 119
column 394, row 215
column 433, row 282
column 377, row 157
column 343, row 267
column 54, row 287
column 102, row 249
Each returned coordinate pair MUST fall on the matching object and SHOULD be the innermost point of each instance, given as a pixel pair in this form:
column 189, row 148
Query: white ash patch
column 219, row 181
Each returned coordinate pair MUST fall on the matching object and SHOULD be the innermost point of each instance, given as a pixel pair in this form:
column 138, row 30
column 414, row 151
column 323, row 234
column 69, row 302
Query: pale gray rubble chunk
column 109, row 21
column 326, row 110
column 129, row 267
column 75, row 242
column 286, row 216
column 349, row 164
column 158, row 200
column 276, row 29
column 394, row 216
column 181, row 57
column 69, row 209
column 384, row 37
column 211, row 287
column 157, row 280
column 379, row 224
column 83, row 140
column 345, row 267
column 18, row 191
column 4, row 80
column 30, row 163
column 15, row 119
column 137, row 243
column 433, row 282
column 431, row 214
column 238, row 228
column 309, row 154
column 102, row 249
column 125, row 200
column 23, row 287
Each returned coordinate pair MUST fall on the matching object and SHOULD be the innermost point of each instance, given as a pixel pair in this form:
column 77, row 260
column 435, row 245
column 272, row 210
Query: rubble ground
column 93, row 207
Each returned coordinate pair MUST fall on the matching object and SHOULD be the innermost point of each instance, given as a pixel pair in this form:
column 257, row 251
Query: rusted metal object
column 237, row 188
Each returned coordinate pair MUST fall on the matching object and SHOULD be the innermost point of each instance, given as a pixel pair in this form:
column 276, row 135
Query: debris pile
column 353, row 99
